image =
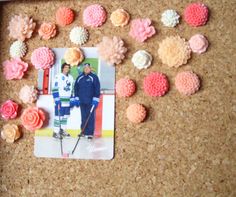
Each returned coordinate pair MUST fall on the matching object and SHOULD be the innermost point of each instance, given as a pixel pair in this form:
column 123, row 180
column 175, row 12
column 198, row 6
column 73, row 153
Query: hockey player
column 63, row 98
column 87, row 93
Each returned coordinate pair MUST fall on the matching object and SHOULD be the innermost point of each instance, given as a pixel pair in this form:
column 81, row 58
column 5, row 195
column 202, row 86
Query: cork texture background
column 186, row 146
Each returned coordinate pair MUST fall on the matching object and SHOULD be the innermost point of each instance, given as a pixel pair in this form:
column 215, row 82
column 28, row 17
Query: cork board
column 186, row 147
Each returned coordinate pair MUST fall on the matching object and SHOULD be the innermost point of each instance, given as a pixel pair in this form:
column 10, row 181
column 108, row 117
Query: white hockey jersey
column 63, row 88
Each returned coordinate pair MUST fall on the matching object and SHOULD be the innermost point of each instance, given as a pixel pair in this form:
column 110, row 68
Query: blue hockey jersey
column 87, row 88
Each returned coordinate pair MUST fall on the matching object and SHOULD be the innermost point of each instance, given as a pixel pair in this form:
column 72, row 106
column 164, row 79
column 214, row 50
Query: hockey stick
column 85, row 125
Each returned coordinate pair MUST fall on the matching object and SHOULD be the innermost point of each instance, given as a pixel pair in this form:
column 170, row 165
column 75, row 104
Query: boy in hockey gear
column 87, row 93
column 62, row 94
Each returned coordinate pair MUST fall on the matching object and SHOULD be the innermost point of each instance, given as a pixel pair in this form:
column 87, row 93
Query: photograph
column 79, row 100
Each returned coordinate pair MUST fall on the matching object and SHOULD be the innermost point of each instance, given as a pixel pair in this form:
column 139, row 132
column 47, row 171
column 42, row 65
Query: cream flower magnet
column 79, row 35
column 170, row 18
column 142, row 59
column 18, row 49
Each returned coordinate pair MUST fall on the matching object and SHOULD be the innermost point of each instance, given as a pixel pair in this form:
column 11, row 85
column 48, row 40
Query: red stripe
column 98, row 124
column 45, row 81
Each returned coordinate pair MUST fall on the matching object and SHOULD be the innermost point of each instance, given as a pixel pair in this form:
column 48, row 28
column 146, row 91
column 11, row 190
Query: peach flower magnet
column 187, row 82
column 21, row 27
column 120, row 18
column 47, row 30
column 32, row 118
column 10, row 133
column 136, row 113
column 9, row 110
column 112, row 50
column 125, row 87
column 28, row 94
column 174, row 51
column 42, row 58
column 14, row 68
column 73, row 56
column 141, row 29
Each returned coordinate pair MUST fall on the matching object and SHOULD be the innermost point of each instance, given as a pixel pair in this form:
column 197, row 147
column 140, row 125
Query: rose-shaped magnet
column 9, row 110
column 32, row 118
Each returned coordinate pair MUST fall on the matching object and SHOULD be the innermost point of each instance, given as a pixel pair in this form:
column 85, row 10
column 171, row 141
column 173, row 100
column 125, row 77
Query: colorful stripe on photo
column 73, row 132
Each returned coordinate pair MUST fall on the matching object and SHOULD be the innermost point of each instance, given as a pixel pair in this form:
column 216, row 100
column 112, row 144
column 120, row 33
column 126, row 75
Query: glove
column 95, row 103
column 77, row 102
column 57, row 102
column 72, row 102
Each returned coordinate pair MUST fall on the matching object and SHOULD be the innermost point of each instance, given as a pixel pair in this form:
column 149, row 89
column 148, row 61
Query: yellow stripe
column 107, row 133
column 73, row 132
